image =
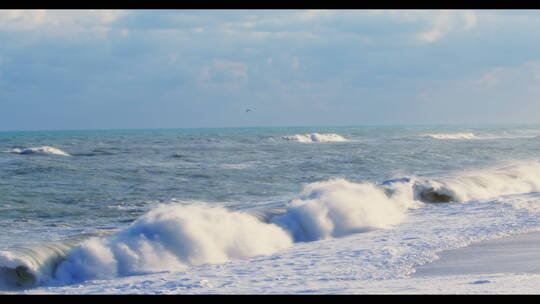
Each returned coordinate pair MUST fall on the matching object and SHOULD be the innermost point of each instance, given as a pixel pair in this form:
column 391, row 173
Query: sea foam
column 467, row 135
column 481, row 184
column 40, row 150
column 171, row 238
column 315, row 137
column 339, row 207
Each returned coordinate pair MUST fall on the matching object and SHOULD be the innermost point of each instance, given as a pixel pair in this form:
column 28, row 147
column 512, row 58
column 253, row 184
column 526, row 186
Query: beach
column 507, row 265
column 518, row 254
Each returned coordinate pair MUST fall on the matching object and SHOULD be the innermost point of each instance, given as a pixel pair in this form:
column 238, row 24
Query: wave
column 315, row 137
column 469, row 135
column 173, row 237
column 235, row 166
column 176, row 236
column 39, row 150
column 339, row 207
column 482, row 184
column 451, row 135
column 27, row 266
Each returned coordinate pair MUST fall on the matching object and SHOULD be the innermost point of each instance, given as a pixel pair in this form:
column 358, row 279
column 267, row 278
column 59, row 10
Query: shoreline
column 516, row 254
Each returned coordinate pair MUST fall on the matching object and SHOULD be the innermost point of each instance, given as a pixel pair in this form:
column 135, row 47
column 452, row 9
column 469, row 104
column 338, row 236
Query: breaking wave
column 315, row 137
column 339, row 207
column 176, row 236
column 39, row 150
column 452, row 135
column 173, row 237
column 480, row 184
column 27, row 266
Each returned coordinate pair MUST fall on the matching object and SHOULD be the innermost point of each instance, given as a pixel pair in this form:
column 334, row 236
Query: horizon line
column 283, row 126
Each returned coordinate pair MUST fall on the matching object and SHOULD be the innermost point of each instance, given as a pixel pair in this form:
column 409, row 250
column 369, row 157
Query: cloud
column 446, row 22
column 60, row 22
column 223, row 74
column 501, row 94
column 340, row 66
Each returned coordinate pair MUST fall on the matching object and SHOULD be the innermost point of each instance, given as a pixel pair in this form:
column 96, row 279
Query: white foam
column 483, row 184
column 315, row 137
column 174, row 237
column 39, row 150
column 171, row 238
column 235, row 166
column 467, row 135
column 153, row 242
column 338, row 207
column 32, row 265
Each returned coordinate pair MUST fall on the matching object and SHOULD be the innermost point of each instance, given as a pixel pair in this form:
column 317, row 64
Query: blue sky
column 83, row 69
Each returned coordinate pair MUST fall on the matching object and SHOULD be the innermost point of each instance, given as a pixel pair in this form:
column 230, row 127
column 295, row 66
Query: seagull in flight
column 248, row 110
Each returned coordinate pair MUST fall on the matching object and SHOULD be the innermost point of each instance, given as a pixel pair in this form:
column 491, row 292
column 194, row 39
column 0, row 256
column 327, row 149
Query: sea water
column 255, row 210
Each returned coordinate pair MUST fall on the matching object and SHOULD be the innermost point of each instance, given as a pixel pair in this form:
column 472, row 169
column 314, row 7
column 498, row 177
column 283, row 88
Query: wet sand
column 519, row 254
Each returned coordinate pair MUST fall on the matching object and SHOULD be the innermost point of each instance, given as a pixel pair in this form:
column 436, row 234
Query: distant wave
column 469, row 135
column 452, row 135
column 235, row 166
column 39, row 150
column 315, row 137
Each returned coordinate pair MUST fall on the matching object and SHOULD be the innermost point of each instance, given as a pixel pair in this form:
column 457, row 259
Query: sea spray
column 171, row 238
column 465, row 135
column 39, row 150
column 481, row 184
column 338, row 207
column 30, row 265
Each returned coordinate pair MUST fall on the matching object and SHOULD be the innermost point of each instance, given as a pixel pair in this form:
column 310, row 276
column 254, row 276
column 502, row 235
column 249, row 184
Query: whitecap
column 315, row 137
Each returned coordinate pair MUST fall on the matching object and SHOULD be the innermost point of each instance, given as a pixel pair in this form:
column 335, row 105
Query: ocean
column 255, row 210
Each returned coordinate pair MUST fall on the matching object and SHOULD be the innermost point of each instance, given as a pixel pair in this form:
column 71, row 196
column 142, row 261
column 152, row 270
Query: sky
column 122, row 69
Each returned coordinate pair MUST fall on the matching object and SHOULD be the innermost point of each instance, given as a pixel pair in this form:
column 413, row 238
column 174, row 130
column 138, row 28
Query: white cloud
column 445, row 22
column 520, row 77
column 224, row 74
column 59, row 22
column 21, row 19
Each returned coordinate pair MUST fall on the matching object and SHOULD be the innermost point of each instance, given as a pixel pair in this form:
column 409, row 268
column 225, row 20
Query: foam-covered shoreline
column 515, row 254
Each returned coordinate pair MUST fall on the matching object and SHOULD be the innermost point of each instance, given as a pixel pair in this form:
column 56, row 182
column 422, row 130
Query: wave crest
column 315, row 137
column 32, row 265
column 467, row 135
column 480, row 184
column 39, row 150
column 338, row 207
column 172, row 238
